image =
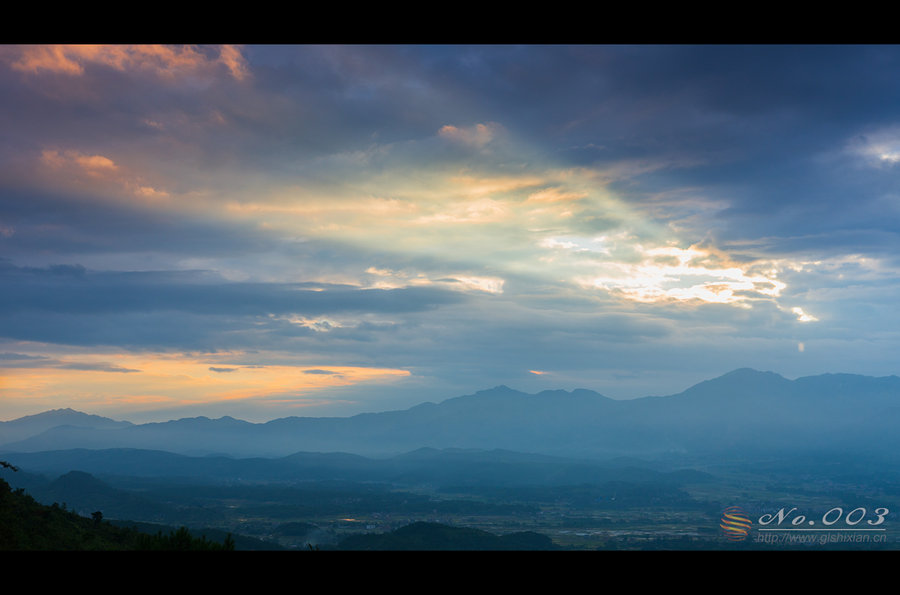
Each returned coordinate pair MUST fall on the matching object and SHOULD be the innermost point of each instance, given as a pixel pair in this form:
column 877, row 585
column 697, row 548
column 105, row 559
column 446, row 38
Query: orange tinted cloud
column 56, row 159
column 54, row 58
column 231, row 57
column 164, row 60
column 172, row 380
column 476, row 136
column 102, row 175
column 555, row 195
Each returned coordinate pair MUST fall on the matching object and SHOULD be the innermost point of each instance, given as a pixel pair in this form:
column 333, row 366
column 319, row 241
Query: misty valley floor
column 674, row 510
column 749, row 460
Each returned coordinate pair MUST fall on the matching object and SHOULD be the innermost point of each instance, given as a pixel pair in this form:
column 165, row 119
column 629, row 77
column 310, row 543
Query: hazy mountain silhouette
column 742, row 411
column 32, row 425
column 436, row 467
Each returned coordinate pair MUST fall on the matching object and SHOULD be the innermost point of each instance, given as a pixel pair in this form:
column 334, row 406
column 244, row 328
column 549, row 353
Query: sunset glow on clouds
column 163, row 61
column 686, row 274
column 197, row 228
column 120, row 380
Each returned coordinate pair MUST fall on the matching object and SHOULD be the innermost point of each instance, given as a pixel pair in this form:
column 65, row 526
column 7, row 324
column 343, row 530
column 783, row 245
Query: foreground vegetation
column 26, row 524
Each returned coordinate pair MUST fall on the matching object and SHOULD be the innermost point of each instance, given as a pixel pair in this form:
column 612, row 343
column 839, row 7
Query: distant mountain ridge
column 743, row 409
column 31, row 425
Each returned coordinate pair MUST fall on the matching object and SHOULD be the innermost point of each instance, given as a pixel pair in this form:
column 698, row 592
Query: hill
column 458, row 467
column 32, row 425
column 27, row 525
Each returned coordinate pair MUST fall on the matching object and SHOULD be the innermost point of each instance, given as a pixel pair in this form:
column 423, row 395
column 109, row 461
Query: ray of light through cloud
column 259, row 229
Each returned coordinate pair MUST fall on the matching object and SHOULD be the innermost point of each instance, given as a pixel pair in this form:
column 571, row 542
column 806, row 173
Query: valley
column 653, row 473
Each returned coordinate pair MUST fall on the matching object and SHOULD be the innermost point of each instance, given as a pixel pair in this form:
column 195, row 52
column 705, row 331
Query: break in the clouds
column 262, row 230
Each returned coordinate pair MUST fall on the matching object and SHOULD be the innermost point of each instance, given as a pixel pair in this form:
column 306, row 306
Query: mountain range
column 740, row 412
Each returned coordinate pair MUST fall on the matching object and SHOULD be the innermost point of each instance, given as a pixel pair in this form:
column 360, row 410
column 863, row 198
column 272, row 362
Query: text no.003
column 851, row 519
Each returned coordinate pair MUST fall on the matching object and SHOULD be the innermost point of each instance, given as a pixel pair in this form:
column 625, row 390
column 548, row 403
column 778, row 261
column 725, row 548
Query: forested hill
column 27, row 525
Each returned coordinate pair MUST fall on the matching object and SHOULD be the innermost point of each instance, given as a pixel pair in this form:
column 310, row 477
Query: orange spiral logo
column 735, row 523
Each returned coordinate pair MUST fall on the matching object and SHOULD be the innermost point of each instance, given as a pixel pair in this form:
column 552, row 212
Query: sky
column 269, row 231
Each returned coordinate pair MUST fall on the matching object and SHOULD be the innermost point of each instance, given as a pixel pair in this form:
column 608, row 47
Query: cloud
column 389, row 279
column 464, row 213
column 22, row 360
column 476, row 136
column 555, row 194
column 693, row 274
column 71, row 169
column 150, row 192
column 91, row 164
column 237, row 65
column 164, row 61
column 40, row 289
column 879, row 148
column 803, row 316
column 21, row 357
column 485, row 284
column 98, row 367
column 182, row 309
column 54, row 58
